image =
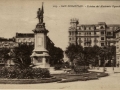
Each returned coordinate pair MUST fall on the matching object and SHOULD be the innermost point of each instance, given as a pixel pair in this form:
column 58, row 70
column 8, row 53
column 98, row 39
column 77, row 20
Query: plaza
column 106, row 83
column 44, row 53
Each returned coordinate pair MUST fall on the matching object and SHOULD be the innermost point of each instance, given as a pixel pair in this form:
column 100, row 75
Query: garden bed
column 28, row 81
column 60, row 78
column 80, row 77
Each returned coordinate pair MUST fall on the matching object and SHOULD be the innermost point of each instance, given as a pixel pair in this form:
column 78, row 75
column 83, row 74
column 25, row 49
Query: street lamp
column 113, row 62
column 99, row 62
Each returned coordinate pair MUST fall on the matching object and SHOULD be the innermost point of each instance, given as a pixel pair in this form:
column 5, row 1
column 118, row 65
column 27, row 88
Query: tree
column 56, row 55
column 95, row 54
column 79, row 59
column 104, row 53
column 111, row 53
column 4, row 54
column 22, row 57
column 75, row 53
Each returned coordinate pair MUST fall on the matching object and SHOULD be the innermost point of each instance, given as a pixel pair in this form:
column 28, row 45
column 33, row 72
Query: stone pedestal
column 40, row 59
column 41, row 62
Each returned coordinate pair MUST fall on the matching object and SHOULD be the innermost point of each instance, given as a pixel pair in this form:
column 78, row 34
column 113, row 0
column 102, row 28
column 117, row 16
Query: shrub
column 40, row 73
column 8, row 72
column 66, row 65
column 58, row 67
column 28, row 73
column 80, row 69
column 25, row 74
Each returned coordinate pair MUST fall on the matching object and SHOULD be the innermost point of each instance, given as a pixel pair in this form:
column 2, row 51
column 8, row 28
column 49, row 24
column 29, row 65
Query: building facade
column 6, row 45
column 100, row 34
column 28, row 38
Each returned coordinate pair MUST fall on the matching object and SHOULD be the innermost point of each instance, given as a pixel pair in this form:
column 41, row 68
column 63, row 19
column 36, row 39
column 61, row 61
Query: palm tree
column 22, row 56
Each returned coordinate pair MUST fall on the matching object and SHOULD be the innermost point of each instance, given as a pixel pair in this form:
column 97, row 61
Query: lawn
column 79, row 77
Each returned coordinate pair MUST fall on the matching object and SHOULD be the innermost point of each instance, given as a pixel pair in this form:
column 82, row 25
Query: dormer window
column 101, row 27
column 82, row 28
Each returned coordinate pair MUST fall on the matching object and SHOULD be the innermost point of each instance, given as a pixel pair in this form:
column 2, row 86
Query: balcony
column 92, row 35
column 88, row 41
column 111, row 39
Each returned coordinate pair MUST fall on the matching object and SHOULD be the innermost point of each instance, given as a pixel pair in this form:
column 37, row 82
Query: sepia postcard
column 45, row 24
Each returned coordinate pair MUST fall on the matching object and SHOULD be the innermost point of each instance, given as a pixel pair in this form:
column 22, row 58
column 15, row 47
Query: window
column 102, row 44
column 85, row 39
column 95, row 40
column 87, row 28
column 109, row 33
column 102, row 38
column 82, row 28
column 94, row 33
column 92, row 28
column 102, row 33
column 70, row 39
column 89, row 33
column 111, row 28
column 102, row 27
column 79, row 33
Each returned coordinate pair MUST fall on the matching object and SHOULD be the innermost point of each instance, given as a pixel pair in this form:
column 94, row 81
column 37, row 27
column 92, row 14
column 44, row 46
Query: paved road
column 111, row 82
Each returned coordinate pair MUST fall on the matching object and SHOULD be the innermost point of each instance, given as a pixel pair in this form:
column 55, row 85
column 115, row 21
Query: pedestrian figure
column 117, row 64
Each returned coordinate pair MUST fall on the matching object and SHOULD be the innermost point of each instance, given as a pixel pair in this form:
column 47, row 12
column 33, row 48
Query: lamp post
column 113, row 63
column 98, row 62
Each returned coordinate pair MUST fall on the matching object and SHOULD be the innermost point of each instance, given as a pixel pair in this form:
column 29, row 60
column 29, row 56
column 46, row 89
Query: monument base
column 40, row 59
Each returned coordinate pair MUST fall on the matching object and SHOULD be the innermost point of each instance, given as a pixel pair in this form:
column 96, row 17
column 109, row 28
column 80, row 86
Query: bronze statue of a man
column 40, row 15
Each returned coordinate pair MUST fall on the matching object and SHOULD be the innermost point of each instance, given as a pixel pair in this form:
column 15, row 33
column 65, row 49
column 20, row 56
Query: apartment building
column 100, row 34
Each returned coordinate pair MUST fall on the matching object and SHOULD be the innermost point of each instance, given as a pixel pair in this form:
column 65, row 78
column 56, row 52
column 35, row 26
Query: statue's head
column 39, row 9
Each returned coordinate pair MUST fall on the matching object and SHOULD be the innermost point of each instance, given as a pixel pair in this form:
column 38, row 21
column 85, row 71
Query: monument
column 40, row 56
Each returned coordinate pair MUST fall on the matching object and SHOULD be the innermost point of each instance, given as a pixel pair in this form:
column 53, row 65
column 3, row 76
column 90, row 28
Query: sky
column 20, row 16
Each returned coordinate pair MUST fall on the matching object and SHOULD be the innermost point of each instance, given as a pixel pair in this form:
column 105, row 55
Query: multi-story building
column 117, row 33
column 100, row 34
column 24, row 38
column 8, row 43
column 28, row 38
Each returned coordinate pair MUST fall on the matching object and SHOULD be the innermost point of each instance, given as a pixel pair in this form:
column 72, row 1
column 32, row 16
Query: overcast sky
column 20, row 16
